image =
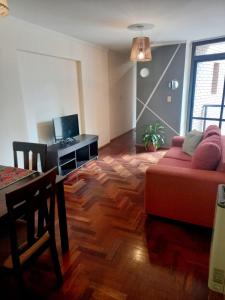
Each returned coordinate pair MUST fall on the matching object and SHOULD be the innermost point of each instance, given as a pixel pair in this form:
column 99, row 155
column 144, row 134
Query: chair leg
column 55, row 260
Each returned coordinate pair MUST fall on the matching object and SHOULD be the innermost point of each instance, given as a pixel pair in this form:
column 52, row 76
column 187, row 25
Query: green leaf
column 153, row 134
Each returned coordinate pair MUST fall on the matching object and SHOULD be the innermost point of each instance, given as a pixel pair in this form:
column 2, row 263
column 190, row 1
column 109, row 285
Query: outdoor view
column 209, row 88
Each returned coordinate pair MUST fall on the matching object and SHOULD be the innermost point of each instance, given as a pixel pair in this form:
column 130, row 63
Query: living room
column 135, row 211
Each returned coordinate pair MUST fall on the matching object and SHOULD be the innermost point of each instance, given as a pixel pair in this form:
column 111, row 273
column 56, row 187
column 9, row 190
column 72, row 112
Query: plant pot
column 151, row 148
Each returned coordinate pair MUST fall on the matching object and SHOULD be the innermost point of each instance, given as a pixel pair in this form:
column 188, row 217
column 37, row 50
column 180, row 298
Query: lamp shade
column 4, row 9
column 141, row 50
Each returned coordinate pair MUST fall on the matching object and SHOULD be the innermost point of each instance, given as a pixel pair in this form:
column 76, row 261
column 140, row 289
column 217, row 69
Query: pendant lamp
column 141, row 46
column 4, row 9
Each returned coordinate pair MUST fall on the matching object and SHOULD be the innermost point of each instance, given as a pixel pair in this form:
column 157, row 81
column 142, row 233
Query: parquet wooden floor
column 117, row 253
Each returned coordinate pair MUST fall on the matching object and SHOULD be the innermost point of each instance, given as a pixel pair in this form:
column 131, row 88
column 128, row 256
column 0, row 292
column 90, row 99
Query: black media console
column 72, row 155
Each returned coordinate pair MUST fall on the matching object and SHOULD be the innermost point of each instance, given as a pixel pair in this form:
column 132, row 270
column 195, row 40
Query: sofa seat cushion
column 174, row 162
column 208, row 154
column 177, row 153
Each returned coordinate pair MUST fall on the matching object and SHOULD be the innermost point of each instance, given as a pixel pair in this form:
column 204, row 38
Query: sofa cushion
column 175, row 162
column 191, row 141
column 216, row 139
column 211, row 130
column 177, row 153
column 208, row 153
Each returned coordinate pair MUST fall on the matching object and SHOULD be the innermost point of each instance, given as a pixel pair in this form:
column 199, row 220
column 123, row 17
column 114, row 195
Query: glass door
column 208, row 87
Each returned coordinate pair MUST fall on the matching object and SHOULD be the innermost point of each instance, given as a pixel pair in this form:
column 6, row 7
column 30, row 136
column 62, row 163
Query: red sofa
column 175, row 190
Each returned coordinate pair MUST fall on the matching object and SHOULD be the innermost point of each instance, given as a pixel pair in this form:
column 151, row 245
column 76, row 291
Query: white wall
column 15, row 121
column 186, row 82
column 49, row 89
column 122, row 87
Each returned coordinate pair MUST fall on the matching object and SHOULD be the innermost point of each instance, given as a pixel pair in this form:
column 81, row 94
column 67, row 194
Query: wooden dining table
column 60, row 203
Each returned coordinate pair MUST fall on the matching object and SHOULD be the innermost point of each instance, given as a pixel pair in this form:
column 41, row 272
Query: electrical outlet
column 169, row 99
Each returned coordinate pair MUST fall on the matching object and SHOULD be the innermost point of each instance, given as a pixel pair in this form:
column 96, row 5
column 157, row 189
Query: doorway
column 207, row 93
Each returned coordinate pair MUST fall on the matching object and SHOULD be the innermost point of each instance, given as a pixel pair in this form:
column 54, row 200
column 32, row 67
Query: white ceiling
column 104, row 22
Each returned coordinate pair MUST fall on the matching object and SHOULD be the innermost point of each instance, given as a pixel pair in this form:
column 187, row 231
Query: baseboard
column 142, row 146
column 107, row 144
column 119, row 136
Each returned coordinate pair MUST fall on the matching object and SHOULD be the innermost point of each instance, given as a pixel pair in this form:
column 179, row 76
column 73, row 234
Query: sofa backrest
column 211, row 130
column 210, row 153
column 221, row 165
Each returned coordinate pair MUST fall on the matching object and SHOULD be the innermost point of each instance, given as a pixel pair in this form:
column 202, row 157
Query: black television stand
column 70, row 155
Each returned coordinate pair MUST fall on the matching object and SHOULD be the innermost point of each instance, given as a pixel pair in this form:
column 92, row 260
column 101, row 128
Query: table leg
column 62, row 216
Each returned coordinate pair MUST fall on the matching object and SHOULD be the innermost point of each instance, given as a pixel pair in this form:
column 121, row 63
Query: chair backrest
column 34, row 203
column 35, row 149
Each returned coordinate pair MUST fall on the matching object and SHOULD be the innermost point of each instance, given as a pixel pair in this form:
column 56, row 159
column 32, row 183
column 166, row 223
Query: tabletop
column 18, row 183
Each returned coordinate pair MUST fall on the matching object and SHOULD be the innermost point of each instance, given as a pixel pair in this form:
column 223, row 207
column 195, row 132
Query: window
column 207, row 90
column 210, row 48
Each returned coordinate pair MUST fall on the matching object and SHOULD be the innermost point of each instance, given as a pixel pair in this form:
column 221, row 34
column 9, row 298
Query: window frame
column 195, row 59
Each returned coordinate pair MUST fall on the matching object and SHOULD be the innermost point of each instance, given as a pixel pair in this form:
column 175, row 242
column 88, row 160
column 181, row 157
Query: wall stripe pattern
column 157, row 116
column 158, row 83
column 152, row 92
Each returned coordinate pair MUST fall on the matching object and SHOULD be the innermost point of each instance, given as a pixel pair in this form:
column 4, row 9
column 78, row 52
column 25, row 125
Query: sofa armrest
column 177, row 141
column 183, row 194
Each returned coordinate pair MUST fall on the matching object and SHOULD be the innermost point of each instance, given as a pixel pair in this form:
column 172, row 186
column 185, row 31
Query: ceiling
column 104, row 22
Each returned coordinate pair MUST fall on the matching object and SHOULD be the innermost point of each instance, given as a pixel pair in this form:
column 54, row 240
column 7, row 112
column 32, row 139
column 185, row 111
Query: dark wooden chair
column 35, row 149
column 31, row 217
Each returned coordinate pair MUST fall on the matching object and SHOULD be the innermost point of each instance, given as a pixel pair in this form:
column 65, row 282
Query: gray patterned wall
column 152, row 92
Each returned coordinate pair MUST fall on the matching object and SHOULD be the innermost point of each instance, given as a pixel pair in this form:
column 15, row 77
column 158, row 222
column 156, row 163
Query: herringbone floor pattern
column 115, row 253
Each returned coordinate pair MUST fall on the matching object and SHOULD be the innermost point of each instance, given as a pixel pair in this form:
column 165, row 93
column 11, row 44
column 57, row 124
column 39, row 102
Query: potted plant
column 153, row 137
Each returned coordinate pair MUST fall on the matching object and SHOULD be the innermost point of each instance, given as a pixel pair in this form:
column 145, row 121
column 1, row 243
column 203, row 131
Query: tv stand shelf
column 72, row 155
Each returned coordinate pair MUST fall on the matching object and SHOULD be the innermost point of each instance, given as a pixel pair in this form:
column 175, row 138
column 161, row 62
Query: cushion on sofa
column 208, row 153
column 175, row 162
column 191, row 141
column 177, row 153
column 211, row 130
column 216, row 139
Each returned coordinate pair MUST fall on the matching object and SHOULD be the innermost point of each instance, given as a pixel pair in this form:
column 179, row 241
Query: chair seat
column 27, row 254
column 30, row 228
column 5, row 249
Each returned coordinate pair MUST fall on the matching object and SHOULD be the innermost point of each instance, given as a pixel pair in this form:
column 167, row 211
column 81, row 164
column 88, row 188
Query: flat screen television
column 66, row 127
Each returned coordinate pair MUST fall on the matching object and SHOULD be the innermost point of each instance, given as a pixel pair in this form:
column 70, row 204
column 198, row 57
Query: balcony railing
column 205, row 112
